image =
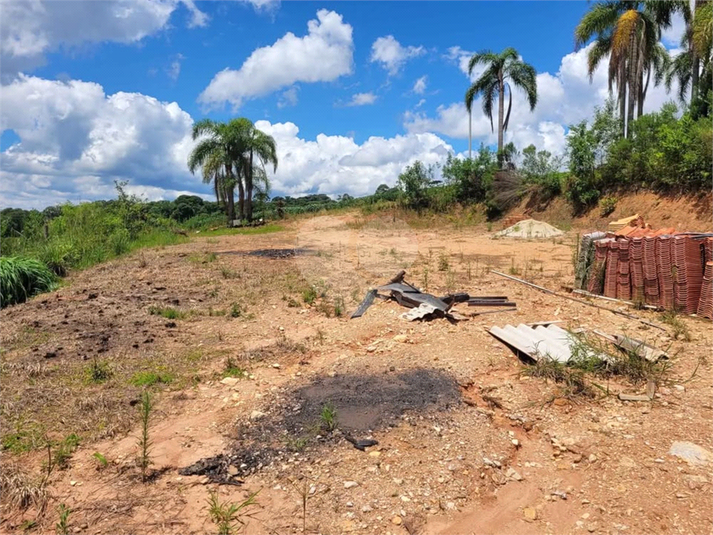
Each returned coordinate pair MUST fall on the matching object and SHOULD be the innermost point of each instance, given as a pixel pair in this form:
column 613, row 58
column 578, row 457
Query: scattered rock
column 366, row 509
column 232, row 470
column 513, row 474
column 256, row 415
column 592, row 527
column 400, row 338
column 350, row 484
column 276, row 365
column 691, row 453
column 229, row 381
column 396, row 520
column 530, row 514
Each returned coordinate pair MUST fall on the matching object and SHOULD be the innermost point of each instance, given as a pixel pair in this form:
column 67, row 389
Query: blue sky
column 352, row 91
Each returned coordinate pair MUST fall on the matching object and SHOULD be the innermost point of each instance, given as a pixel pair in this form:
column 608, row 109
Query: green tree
column 628, row 33
column 221, row 147
column 260, row 150
column 501, row 70
column 542, row 170
column 581, row 189
column 470, row 178
column 414, row 182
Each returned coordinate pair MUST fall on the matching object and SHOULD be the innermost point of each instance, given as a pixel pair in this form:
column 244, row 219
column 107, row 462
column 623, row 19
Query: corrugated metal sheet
column 551, row 341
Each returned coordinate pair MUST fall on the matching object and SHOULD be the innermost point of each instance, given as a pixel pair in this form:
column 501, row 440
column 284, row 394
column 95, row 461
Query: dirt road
column 244, row 367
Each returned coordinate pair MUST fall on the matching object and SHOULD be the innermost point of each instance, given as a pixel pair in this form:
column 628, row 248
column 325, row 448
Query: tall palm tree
column 692, row 66
column 260, row 150
column 501, row 71
column 221, row 144
column 628, row 31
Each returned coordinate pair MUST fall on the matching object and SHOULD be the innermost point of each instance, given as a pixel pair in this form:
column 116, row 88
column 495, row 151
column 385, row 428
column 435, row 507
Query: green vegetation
column 101, row 460
column 328, row 417
column 151, row 378
column 64, row 450
column 144, row 441
column 227, row 515
column 167, row 312
column 62, row 526
column 232, row 369
column 21, row 278
column 98, row 371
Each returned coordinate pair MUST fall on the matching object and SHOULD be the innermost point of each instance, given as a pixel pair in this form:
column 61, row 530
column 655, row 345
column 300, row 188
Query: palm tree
column 501, row 70
column 692, row 67
column 628, row 32
column 260, row 150
column 220, row 145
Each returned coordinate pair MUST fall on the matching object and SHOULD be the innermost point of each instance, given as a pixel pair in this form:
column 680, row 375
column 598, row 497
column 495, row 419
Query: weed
column 297, row 444
column 20, row 490
column 98, row 371
column 328, row 418
column 26, row 437
column 232, row 369
column 166, row 312
column 468, row 271
column 309, row 295
column 425, row 278
column 572, row 379
column 292, row 302
column 514, row 270
column 142, row 260
column 219, row 312
column 64, row 451
column 21, row 278
column 450, row 281
column 62, row 527
column 236, row 310
column 338, row 306
column 144, row 442
column 443, row 263
column 101, row 460
column 489, row 226
column 320, row 336
column 227, row 515
column 151, row 378
column 679, row 328
column 228, row 273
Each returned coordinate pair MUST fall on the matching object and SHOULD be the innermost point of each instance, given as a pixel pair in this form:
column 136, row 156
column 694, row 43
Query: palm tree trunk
column 470, row 134
column 241, row 199
column 230, row 194
column 501, row 113
column 642, row 93
column 249, row 188
column 695, row 77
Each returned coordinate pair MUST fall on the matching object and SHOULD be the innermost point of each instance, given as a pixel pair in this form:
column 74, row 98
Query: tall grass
column 21, row 278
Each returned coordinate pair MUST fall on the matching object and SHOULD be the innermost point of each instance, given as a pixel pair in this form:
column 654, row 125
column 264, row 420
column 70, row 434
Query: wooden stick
column 580, row 301
column 605, row 298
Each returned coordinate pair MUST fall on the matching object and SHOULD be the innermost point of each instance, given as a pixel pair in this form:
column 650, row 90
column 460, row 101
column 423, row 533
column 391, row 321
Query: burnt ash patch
column 364, row 404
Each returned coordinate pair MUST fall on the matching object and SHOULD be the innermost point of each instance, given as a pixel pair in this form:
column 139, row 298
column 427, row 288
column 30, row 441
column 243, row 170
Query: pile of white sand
column 530, row 228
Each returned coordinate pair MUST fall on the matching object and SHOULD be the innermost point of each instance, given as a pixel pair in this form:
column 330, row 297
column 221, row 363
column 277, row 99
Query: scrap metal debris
column 426, row 306
column 551, row 342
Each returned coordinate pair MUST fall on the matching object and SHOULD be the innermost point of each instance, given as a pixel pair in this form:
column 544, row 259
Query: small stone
column 77, row 529
column 350, row 484
column 592, row 458
column 371, row 349
column 366, row 509
column 592, row 527
column 256, row 415
column 405, row 499
column 349, row 504
column 560, row 402
column 513, row 474
column 400, row 338
column 276, row 365
column 515, row 442
column 374, row 453
column 530, row 514
column 232, row 470
column 72, row 483
column 585, row 516
column 398, row 481
column 229, row 381
column 396, row 520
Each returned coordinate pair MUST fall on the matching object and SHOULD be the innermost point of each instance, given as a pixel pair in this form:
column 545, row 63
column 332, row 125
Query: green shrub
column 151, row 378
column 607, row 205
column 21, row 278
column 167, row 312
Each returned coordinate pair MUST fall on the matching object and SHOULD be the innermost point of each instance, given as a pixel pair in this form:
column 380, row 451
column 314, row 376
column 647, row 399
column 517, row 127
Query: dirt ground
column 467, row 443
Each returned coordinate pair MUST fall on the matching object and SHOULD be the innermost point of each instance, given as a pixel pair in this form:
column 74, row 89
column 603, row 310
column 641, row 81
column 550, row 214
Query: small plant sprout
column 62, row 526
column 101, row 460
column 328, row 417
column 227, row 516
column 144, row 441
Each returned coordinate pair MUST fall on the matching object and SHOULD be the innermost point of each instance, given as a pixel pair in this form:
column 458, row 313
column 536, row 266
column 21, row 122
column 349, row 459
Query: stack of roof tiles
column 665, row 270
column 611, row 270
column 705, row 303
column 688, row 278
column 636, row 253
column 623, row 281
column 595, row 280
column 651, row 282
column 708, row 250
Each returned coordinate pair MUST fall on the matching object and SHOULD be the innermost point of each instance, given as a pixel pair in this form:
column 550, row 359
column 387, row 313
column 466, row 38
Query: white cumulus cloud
column 323, row 55
column 337, row 164
column 362, row 99
column 391, row 55
column 75, row 141
column 29, row 29
column 420, row 86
